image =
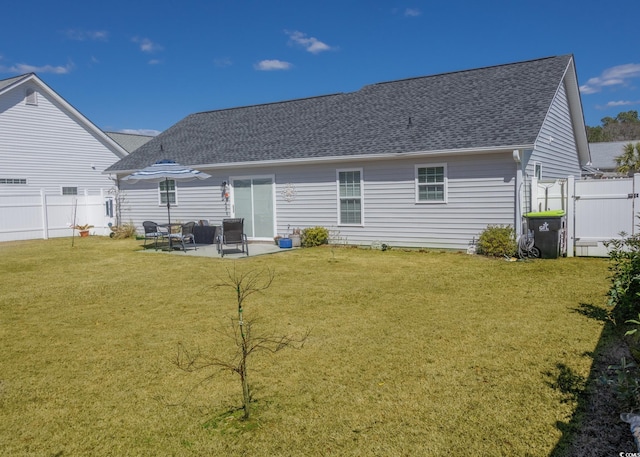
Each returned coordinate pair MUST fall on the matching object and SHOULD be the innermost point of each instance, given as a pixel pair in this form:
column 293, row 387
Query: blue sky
column 141, row 66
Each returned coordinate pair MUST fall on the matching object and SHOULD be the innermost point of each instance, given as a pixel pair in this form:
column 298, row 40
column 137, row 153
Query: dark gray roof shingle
column 8, row 82
column 488, row 107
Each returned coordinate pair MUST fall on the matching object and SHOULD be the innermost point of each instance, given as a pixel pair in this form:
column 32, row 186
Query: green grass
column 410, row 353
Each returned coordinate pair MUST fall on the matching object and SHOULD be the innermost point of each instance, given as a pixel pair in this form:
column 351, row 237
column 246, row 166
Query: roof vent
column 31, row 97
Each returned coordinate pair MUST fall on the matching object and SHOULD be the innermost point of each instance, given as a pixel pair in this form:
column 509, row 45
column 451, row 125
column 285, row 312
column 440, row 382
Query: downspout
column 517, row 223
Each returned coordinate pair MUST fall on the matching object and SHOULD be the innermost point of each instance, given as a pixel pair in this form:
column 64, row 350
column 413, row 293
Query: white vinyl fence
column 597, row 210
column 26, row 216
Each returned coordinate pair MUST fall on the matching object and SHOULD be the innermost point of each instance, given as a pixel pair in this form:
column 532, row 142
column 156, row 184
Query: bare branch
column 191, row 362
column 241, row 333
column 249, row 282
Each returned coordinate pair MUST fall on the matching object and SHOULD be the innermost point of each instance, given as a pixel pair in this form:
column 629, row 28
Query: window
column 31, row 97
column 167, row 188
column 13, row 181
column 69, row 191
column 431, row 183
column 537, row 170
column 350, row 197
column 108, row 206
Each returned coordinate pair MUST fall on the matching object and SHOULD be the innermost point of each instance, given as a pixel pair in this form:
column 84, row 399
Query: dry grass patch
column 410, row 353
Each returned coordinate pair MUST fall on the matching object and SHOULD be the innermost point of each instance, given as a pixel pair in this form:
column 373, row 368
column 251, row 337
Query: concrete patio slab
column 210, row 250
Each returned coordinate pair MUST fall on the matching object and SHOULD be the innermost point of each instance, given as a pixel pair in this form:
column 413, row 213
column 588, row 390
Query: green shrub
column 624, row 265
column 314, row 236
column 497, row 241
column 624, row 379
column 624, row 297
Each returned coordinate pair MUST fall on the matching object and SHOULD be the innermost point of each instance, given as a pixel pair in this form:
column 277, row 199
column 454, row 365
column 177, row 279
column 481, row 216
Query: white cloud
column 99, row 35
column 155, row 62
column 84, row 35
column 614, row 76
column 412, row 12
column 22, row 68
column 269, row 65
column 623, row 103
column 146, row 45
column 148, row 132
column 310, row 44
column 222, row 62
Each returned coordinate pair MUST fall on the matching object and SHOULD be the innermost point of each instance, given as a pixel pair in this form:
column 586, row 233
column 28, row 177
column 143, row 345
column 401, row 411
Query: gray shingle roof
column 8, row 82
column 603, row 154
column 129, row 141
column 496, row 106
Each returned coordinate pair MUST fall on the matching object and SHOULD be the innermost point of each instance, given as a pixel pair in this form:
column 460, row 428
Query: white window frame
column 360, row 197
column 444, row 184
column 537, row 170
column 232, row 198
column 109, row 207
column 162, row 193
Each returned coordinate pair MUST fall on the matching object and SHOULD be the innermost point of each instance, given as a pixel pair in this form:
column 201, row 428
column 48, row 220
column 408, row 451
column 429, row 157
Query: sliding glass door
column 253, row 200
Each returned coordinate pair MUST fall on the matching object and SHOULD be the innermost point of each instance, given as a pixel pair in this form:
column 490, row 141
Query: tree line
column 624, row 127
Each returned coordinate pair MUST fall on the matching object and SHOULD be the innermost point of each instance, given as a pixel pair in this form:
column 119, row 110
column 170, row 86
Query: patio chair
column 185, row 236
column 232, row 232
column 152, row 232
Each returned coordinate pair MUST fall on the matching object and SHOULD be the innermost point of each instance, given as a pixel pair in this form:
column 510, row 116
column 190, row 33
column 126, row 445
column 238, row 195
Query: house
column 129, row 141
column 51, row 163
column 420, row 162
column 603, row 159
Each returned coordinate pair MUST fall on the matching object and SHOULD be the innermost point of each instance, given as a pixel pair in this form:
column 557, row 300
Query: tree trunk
column 246, row 396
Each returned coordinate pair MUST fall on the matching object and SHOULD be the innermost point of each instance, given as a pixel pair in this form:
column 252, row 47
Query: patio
column 210, row 250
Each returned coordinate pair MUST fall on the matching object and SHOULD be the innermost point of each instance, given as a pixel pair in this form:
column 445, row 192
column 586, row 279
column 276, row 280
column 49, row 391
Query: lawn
column 410, row 353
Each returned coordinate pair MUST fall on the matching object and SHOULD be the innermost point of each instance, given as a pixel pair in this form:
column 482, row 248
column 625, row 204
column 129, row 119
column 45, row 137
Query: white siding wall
column 555, row 146
column 49, row 148
column 480, row 192
column 198, row 200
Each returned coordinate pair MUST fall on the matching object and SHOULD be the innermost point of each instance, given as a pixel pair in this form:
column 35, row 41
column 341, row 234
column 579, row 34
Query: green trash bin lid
column 552, row 213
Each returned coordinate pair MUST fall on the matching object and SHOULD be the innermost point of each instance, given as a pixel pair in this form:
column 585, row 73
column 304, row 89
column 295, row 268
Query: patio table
column 170, row 227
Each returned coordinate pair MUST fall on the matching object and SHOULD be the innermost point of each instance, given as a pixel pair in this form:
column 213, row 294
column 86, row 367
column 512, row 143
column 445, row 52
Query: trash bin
column 547, row 227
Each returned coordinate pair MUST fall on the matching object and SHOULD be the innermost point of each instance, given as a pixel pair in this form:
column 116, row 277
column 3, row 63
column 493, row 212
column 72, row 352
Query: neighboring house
column 129, row 141
column 51, row 158
column 425, row 162
column 603, row 159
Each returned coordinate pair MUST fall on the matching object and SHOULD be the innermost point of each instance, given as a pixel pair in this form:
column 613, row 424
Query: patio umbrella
column 166, row 170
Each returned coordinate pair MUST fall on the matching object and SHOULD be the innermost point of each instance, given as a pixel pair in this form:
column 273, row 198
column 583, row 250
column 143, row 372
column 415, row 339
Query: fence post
column 45, row 217
column 570, row 215
column 634, row 206
column 87, row 207
column 534, row 194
